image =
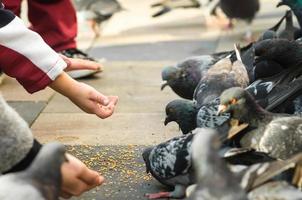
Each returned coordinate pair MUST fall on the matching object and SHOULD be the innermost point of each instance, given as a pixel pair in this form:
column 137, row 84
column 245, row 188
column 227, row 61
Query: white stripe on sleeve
column 19, row 38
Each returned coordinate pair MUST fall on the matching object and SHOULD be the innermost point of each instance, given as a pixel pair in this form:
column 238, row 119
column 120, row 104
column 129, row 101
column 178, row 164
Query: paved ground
column 136, row 47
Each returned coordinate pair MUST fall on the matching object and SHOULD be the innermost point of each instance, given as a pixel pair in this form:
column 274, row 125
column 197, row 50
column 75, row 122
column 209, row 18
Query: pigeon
column 170, row 164
column 271, row 33
column 274, row 54
column 263, row 68
column 278, row 135
column 214, row 179
column 286, row 53
column 290, row 32
column 279, row 170
column 185, row 75
column 277, row 93
column 97, row 11
column 41, row 181
column 244, row 10
column 225, row 73
column 217, row 180
column 183, row 112
column 295, row 6
column 168, row 5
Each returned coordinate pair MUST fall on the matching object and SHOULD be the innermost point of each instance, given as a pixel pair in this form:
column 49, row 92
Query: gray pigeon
column 170, row 164
column 185, row 75
column 279, row 135
column 41, row 181
column 215, row 180
column 226, row 73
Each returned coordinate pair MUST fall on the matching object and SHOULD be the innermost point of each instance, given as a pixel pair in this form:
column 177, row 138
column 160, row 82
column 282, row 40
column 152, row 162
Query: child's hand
column 84, row 96
column 91, row 101
column 78, row 178
column 78, row 64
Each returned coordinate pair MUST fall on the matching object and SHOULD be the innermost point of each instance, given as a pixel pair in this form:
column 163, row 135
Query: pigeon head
column 168, row 74
column 238, row 102
column 295, row 6
column 185, row 76
column 146, row 156
column 46, row 168
column 269, row 34
column 183, row 112
column 290, row 3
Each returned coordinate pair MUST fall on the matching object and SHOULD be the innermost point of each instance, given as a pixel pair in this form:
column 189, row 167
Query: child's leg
column 56, row 22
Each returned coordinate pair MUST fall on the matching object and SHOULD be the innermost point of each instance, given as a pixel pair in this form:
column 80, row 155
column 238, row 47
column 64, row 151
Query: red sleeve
column 25, row 56
column 27, row 74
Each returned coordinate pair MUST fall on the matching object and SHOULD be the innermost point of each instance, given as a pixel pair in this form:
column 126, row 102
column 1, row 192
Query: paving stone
column 28, row 110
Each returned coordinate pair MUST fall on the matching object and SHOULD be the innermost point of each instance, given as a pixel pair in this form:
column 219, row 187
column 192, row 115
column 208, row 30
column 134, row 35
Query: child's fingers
column 113, row 99
column 100, row 98
column 85, row 64
column 76, row 64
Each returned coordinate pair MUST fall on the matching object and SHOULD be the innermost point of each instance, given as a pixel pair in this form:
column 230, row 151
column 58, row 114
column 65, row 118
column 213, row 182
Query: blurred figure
column 169, row 5
column 97, row 11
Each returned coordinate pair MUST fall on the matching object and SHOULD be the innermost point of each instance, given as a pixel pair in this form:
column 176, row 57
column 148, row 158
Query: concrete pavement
column 136, row 47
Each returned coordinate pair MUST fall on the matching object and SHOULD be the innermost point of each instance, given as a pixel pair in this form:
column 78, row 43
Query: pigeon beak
column 167, row 120
column 221, row 109
column 280, row 4
column 164, row 85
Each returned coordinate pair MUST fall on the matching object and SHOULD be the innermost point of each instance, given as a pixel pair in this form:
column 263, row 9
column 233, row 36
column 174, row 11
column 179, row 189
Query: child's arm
column 25, row 56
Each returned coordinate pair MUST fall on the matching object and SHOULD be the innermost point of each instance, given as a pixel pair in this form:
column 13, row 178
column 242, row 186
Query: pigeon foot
column 159, row 195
